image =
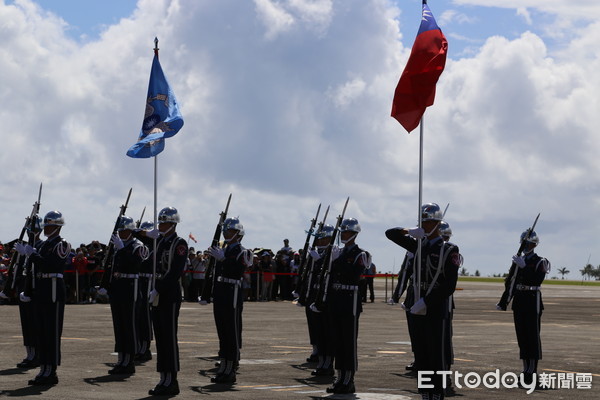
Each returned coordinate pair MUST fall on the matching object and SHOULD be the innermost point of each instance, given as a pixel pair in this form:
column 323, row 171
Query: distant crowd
column 273, row 275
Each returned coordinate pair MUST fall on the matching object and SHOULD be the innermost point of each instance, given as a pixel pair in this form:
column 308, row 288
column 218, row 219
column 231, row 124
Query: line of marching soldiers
column 144, row 291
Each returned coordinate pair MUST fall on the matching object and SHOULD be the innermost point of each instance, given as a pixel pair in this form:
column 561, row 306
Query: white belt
column 339, row 286
column 228, row 280
column 525, row 287
column 121, row 275
column 145, row 275
column 50, row 275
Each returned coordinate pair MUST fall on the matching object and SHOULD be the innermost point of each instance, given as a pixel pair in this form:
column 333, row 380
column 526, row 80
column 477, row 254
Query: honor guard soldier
column 405, row 283
column 231, row 262
column 446, row 234
column 165, row 297
column 123, row 291
column 524, row 281
column 47, row 290
column 318, row 329
column 16, row 283
column 142, row 312
column 344, row 305
column 436, row 275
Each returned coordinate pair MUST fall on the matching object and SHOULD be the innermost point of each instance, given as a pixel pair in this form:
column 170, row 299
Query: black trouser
column 527, row 327
column 49, row 318
column 227, row 317
column 142, row 314
column 343, row 313
column 195, row 289
column 165, row 317
column 227, row 314
column 26, row 312
column 124, row 327
column 429, row 348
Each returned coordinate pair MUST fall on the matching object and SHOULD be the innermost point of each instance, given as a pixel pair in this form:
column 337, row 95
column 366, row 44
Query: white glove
column 202, row 302
column 217, row 253
column 313, row 307
column 153, row 296
column 419, row 308
column 3, row 296
column 417, row 233
column 520, row 261
column 24, row 249
column 117, row 242
column 23, row 298
column 102, row 292
column 314, row 254
column 153, row 234
column 335, row 253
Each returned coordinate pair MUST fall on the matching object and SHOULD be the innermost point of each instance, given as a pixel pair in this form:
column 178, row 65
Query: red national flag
column 416, row 88
column 192, row 237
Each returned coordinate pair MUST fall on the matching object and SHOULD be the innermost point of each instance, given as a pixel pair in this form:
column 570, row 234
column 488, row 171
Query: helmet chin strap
column 350, row 238
column 51, row 233
column 128, row 237
column 168, row 230
column 231, row 238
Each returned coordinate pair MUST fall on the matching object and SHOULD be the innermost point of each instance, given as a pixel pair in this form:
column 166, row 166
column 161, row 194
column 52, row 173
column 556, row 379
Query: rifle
column 107, row 276
column 139, row 222
column 15, row 258
column 325, row 274
column 507, row 295
column 305, row 271
column 209, row 272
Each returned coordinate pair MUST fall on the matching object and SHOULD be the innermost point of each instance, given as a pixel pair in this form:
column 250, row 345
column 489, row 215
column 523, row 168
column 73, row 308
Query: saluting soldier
column 525, row 278
column 344, row 305
column 438, row 271
column 123, row 291
column 318, row 322
column 231, row 262
column 171, row 255
column 16, row 283
column 48, row 293
column 142, row 311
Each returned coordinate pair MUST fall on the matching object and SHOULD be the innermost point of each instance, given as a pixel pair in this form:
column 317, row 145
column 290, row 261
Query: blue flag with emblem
column 162, row 118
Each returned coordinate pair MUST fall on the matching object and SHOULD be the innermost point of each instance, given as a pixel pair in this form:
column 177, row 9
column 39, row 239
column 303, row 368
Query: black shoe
column 333, row 388
column 224, row 378
column 312, row 358
column 51, row 379
column 411, row 366
column 27, row 364
column 143, row 357
column 345, row 389
column 323, row 372
column 162, row 390
column 123, row 369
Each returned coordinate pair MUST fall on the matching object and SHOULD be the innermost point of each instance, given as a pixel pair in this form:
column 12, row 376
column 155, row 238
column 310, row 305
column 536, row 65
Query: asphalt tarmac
column 275, row 348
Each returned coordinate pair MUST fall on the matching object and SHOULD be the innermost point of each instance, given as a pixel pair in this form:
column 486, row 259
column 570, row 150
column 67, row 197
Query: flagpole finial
column 155, row 46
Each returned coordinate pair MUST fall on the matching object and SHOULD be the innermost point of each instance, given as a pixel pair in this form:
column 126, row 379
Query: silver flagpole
column 417, row 266
column 155, row 222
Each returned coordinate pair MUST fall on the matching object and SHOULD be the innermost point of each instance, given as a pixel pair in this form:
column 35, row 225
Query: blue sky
column 286, row 105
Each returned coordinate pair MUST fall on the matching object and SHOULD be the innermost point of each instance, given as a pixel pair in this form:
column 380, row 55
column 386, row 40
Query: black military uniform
column 165, row 298
column 48, row 294
column 405, row 283
column 344, row 306
column 439, row 272
column 525, row 282
column 16, row 282
column 143, row 322
column 227, row 308
column 318, row 322
column 123, row 293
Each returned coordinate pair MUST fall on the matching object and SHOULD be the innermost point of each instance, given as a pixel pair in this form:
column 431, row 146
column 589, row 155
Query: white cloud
column 523, row 12
column 298, row 119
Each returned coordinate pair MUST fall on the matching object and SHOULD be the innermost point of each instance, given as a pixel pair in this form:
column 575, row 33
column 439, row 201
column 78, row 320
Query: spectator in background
column 80, row 263
column 198, row 267
column 266, row 267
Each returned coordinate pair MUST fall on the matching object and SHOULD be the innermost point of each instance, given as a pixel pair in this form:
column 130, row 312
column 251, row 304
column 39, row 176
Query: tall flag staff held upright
column 416, row 91
column 162, row 120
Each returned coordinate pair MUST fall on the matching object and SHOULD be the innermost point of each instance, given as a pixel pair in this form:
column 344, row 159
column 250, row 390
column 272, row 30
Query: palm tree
column 587, row 270
column 563, row 271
